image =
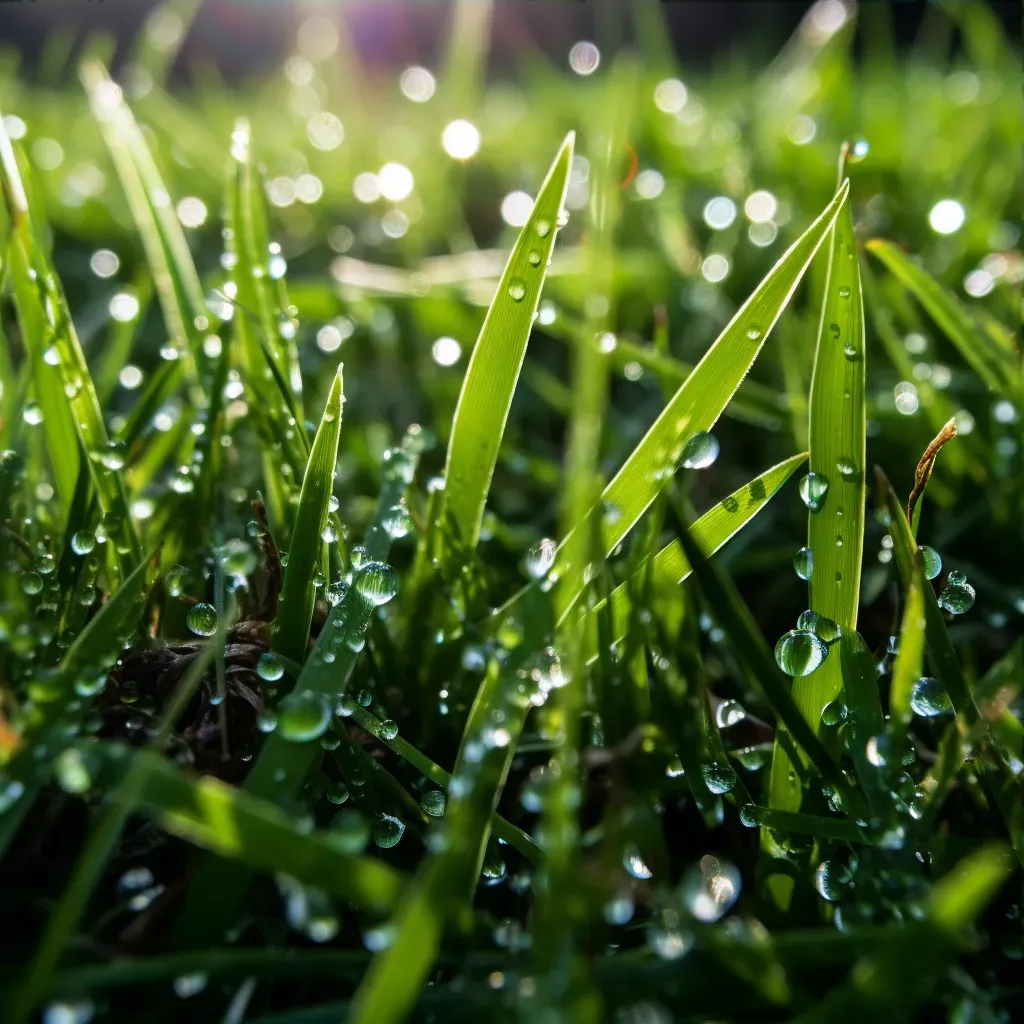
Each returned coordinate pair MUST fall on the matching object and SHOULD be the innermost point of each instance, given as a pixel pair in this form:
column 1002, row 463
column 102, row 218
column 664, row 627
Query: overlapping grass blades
column 307, row 553
column 699, row 401
column 67, row 393
column 993, row 354
column 835, row 530
column 170, row 262
column 497, row 358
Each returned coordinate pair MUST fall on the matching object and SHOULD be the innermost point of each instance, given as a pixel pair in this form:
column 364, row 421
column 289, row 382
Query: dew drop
column 377, row 582
column 543, row 227
column 202, row 619
column 753, row 333
column 718, row 776
column 833, row 713
column 844, row 292
column 303, row 716
column 534, row 258
column 847, row 467
column 929, row 699
column 540, row 558
column 958, row 595
column 517, row 289
column 700, row 451
column 270, row 667
column 433, row 802
column 851, row 352
column 266, row 720
column 932, row 561
column 803, row 563
column 397, row 521
column 388, row 729
column 813, row 491
column 832, row 880
column 800, row 652
column 387, row 831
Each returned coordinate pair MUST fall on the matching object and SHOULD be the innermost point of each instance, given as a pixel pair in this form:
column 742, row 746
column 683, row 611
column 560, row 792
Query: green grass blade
column 696, row 406
column 98, row 644
column 445, row 881
column 712, row 530
column 170, row 262
column 238, row 826
column 835, row 533
column 753, row 653
column 996, row 360
column 493, row 370
column 298, row 593
column 909, row 664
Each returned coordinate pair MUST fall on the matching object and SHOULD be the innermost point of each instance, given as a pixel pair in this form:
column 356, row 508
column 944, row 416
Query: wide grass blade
column 993, row 355
column 298, row 593
column 497, row 358
column 835, row 523
column 696, row 406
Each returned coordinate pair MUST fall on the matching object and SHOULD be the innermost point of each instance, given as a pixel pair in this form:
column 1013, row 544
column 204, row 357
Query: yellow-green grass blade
column 306, row 555
column 711, row 531
column 58, row 420
column 260, row 316
column 995, row 357
column 835, row 533
column 50, row 335
column 497, row 359
column 699, row 402
column 175, row 279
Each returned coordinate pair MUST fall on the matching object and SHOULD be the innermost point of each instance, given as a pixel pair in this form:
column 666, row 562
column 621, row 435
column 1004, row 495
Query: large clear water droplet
column 700, row 451
column 718, row 776
column 517, row 289
column 388, row 729
column 303, row 716
column 803, row 563
column 932, row 561
column 387, row 831
column 832, row 880
column 813, row 490
column 828, row 630
column 929, row 698
column 433, row 802
column 202, row 619
column 833, row 713
column 800, row 652
column 540, row 558
column 377, row 582
column 83, row 541
column 270, row 667
column 958, row 595
column 397, row 521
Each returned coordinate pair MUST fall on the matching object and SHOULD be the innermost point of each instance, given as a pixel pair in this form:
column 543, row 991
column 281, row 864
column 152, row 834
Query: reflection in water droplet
column 516, row 289
column 718, row 776
column 813, row 490
column 932, row 561
column 929, row 698
column 800, row 652
column 803, row 563
column 700, row 451
column 303, row 716
column 202, row 619
column 387, row 831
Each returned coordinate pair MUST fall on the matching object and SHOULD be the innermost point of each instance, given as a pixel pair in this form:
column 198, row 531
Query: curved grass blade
column 995, row 357
column 909, row 664
column 711, row 531
column 835, row 533
column 493, row 370
column 298, row 593
column 699, row 402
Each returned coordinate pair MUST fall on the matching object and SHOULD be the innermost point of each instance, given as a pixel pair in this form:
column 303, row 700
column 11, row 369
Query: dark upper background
column 248, row 36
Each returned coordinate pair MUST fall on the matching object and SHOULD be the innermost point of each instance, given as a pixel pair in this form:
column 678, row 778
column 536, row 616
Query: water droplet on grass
column 844, row 292
column 517, row 289
column 718, row 776
column 803, row 563
column 833, row 713
column 700, row 451
column 388, row 729
column 176, row 580
column 387, row 831
column 433, row 802
column 202, row 619
column 377, row 582
column 540, row 558
column 753, row 333
column 534, row 258
column 397, row 521
column 266, row 720
column 813, row 490
column 800, row 652
column 270, row 667
column 958, row 595
column 337, row 792
column 832, row 880
column 929, row 698
column 847, row 467
column 303, row 716
column 932, row 561
column 31, row 583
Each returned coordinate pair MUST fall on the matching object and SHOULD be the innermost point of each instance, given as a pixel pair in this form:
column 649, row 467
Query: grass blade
column 298, row 593
column 493, row 370
column 835, row 532
column 909, row 664
column 995, row 359
column 699, row 402
column 711, row 531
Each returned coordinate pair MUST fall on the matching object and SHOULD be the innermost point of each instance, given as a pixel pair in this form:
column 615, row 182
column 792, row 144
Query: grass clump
column 499, row 694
